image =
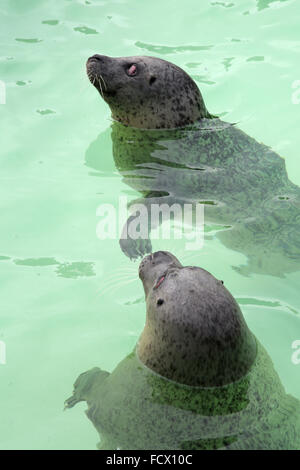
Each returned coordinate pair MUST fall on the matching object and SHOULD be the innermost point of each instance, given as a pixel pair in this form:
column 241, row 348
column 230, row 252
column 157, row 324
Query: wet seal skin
column 170, row 148
column 146, row 92
column 198, row 378
column 195, row 333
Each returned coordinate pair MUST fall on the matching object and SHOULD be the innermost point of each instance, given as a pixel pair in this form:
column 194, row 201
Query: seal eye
column 160, row 302
column 160, row 280
column 132, row 70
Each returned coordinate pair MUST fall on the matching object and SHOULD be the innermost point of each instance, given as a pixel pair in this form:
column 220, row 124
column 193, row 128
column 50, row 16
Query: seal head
column 195, row 332
column 146, row 92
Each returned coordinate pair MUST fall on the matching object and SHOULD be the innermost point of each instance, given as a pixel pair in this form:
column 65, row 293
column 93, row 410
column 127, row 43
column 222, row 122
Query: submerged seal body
column 194, row 157
column 198, row 378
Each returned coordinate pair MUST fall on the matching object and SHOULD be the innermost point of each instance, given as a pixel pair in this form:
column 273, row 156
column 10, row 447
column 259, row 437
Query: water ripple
column 203, row 79
column 85, row 30
column 223, row 4
column 50, row 22
column 160, row 49
column 45, row 111
column 265, row 303
column 256, row 58
column 31, row 41
column 75, row 270
column 263, row 4
column 36, row 262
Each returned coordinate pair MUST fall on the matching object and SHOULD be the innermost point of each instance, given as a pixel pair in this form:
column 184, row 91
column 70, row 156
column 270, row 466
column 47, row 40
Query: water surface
column 66, row 303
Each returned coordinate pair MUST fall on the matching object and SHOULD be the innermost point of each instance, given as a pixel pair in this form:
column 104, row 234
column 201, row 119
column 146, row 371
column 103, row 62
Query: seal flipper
column 138, row 247
column 84, row 385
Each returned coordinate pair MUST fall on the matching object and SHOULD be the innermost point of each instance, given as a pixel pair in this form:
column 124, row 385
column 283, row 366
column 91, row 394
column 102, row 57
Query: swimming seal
column 193, row 157
column 195, row 333
column 198, row 378
column 146, row 92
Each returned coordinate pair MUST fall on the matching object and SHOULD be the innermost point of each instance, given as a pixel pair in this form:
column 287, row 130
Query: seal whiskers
column 120, row 277
column 103, row 81
column 113, row 286
column 99, row 81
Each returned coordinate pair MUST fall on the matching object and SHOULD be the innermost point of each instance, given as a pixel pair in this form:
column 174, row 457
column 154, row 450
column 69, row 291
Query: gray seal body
column 198, row 378
column 170, row 148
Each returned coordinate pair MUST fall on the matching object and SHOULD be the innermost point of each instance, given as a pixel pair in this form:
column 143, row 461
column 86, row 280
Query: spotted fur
column 143, row 405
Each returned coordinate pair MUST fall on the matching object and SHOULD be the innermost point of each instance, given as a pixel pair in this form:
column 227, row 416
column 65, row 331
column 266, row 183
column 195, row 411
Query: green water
column 66, row 303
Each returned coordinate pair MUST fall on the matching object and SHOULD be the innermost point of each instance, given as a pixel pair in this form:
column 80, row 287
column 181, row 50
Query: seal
column 146, row 92
column 167, row 146
column 197, row 379
column 195, row 333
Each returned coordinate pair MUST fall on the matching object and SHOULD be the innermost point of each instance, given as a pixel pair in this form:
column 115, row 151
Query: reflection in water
column 68, row 270
column 169, row 49
column 75, row 269
column 36, row 262
column 85, row 30
column 34, row 40
column 51, row 22
column 263, row 4
column 266, row 303
column 257, row 58
column 223, row 4
column 243, row 184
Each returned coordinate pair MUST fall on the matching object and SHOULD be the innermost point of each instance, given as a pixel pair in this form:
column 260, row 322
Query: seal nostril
column 160, row 302
column 95, row 58
column 152, row 80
